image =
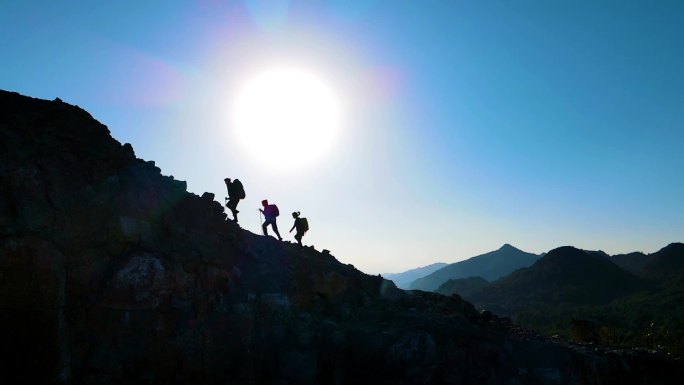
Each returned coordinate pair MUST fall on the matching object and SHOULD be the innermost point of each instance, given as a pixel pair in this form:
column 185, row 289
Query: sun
column 286, row 117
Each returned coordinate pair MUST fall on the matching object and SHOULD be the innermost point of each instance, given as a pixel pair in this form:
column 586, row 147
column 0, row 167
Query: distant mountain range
column 565, row 275
column 630, row 299
column 403, row 280
column 489, row 266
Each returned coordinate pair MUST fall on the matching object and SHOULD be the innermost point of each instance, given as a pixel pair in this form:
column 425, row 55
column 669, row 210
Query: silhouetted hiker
column 270, row 213
column 302, row 226
column 235, row 193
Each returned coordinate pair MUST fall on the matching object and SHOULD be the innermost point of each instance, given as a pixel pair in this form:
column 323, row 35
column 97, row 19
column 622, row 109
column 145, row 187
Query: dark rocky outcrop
column 112, row 273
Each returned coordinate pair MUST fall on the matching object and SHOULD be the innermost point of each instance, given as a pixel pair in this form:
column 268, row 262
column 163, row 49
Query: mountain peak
column 508, row 246
column 490, row 266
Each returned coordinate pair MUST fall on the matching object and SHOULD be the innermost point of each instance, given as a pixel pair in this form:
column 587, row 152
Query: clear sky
column 463, row 124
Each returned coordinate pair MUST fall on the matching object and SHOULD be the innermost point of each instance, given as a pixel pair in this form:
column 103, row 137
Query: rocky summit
column 111, row 273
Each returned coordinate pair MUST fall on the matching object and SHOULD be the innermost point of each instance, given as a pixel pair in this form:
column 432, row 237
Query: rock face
column 112, row 273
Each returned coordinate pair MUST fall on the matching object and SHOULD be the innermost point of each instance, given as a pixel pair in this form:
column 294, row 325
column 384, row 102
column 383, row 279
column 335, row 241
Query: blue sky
column 466, row 124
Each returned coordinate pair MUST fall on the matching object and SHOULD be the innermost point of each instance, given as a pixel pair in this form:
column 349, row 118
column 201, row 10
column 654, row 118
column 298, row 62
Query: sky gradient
column 465, row 124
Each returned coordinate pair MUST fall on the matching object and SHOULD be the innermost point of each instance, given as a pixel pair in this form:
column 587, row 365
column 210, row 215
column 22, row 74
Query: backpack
column 273, row 210
column 303, row 225
column 237, row 190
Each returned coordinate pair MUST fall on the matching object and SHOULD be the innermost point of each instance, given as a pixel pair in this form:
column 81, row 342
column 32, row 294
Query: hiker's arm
column 293, row 226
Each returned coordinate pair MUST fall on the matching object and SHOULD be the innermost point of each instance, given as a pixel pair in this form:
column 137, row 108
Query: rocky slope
column 112, row 273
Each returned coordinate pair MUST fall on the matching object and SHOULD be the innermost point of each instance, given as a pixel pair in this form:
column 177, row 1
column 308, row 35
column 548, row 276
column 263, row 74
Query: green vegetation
column 585, row 296
column 462, row 286
column 653, row 319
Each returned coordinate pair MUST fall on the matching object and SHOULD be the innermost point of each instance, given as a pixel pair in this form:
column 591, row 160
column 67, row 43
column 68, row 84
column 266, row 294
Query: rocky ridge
column 113, row 273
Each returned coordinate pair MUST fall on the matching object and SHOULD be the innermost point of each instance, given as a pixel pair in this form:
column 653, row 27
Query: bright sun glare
column 286, row 117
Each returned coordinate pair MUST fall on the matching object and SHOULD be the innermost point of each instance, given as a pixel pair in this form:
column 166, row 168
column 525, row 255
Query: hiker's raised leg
column 232, row 205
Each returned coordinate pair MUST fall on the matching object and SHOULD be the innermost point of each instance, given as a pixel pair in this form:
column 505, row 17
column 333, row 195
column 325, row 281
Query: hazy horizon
column 462, row 126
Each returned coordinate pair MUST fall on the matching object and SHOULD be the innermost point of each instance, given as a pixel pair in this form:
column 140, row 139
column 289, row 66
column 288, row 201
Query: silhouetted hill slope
column 632, row 262
column 403, row 280
column 112, row 273
column 598, row 253
column 666, row 262
column 463, row 286
column 564, row 275
column 489, row 266
column 615, row 307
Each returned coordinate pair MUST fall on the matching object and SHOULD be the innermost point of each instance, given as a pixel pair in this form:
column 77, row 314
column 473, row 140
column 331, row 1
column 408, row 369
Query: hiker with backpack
column 235, row 192
column 302, row 226
column 270, row 213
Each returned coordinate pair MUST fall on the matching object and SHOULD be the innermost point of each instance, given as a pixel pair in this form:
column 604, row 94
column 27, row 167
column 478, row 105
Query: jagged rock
column 113, row 273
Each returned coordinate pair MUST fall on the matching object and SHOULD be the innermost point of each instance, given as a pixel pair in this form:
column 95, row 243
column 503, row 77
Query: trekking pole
column 261, row 221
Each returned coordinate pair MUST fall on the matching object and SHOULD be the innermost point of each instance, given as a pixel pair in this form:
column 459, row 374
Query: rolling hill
column 666, row 263
column 632, row 262
column 565, row 275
